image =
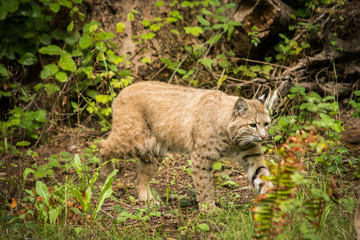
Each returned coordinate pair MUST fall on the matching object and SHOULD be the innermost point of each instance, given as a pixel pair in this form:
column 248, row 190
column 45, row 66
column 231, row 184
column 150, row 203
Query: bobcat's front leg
column 253, row 161
column 203, row 181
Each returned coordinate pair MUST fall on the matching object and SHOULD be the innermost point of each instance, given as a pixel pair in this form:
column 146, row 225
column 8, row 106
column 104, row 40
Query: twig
column 161, row 69
column 177, row 67
column 256, row 61
column 107, row 214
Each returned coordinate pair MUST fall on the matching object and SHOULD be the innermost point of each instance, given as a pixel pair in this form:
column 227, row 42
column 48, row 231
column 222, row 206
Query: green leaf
column 115, row 58
column 66, row 62
column 59, row 35
column 157, row 19
column 204, row 227
column 147, row 36
column 3, row 13
column 203, row 21
column 88, row 196
column 54, row 213
column 81, row 16
column 106, row 190
column 4, row 74
column 146, row 60
column 214, row 39
column 27, row 171
column 77, row 164
column 91, row 26
column 51, row 50
column 174, row 31
column 91, row 93
column 184, row 203
column 230, row 31
column 28, row 59
column 103, row 98
column 40, row 116
column 70, row 27
column 231, row 5
column 85, row 41
column 103, row 35
column 78, row 230
column 49, row 70
column 45, row 39
column 217, row 166
column 221, row 18
column 73, row 11
column 146, row 23
column 10, row 5
column 120, row 27
column 159, row 4
column 65, row 3
column 218, row 26
column 233, row 23
column 206, row 62
column 195, row 31
column 55, row 7
column 337, row 127
column 130, row 15
column 156, row 27
column 181, row 71
column 80, row 199
column 255, row 68
column 100, row 57
column 206, row 12
column 61, row 77
column 43, row 191
column 220, row 10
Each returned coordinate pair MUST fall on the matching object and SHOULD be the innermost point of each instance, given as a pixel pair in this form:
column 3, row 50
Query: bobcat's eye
column 253, row 125
column 266, row 124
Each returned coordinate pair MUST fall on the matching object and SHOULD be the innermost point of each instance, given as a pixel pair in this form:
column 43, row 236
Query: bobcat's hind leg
column 146, row 169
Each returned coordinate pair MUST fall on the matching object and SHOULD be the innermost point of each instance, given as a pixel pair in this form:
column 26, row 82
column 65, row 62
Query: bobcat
column 153, row 118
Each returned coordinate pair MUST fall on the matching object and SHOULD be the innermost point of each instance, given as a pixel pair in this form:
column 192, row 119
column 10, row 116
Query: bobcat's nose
column 263, row 136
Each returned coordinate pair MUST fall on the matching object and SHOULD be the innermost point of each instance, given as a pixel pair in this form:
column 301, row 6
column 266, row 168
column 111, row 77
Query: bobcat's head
column 249, row 123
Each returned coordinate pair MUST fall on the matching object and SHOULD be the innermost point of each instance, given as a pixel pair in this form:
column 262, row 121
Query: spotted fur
column 153, row 118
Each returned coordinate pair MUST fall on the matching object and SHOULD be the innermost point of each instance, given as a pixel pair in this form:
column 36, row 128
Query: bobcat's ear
column 240, row 107
column 272, row 101
column 261, row 99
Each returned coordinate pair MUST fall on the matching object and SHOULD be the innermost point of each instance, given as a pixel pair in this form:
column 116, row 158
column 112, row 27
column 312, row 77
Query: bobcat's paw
column 106, row 170
column 265, row 186
column 146, row 195
column 209, row 208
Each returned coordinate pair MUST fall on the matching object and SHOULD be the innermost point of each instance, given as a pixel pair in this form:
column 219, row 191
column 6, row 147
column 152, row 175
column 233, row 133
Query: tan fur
column 357, row 221
column 153, row 118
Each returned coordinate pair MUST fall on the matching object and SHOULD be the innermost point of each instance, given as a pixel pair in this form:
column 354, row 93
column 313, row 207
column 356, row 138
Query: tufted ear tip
column 261, row 99
column 240, row 106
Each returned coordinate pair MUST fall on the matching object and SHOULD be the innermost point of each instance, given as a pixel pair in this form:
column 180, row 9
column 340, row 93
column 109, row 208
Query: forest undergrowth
column 56, row 93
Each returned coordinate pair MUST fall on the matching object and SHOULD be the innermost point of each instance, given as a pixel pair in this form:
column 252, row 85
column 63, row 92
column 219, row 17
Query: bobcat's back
column 171, row 113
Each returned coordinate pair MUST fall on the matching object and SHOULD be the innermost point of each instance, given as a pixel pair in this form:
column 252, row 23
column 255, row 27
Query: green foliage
column 356, row 104
column 76, row 54
column 313, row 110
column 53, row 205
column 24, row 124
column 83, row 64
column 272, row 212
column 195, row 31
